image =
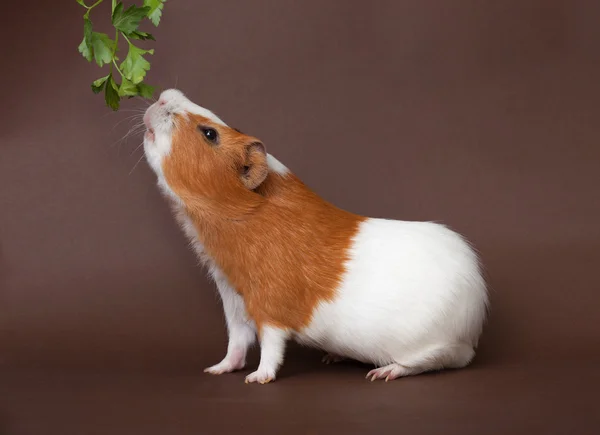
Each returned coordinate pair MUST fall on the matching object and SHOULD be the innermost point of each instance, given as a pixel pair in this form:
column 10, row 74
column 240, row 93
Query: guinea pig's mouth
column 150, row 134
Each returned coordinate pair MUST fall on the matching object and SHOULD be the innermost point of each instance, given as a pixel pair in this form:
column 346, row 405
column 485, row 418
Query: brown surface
column 483, row 115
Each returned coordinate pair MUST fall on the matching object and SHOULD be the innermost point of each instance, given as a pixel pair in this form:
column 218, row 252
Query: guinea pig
column 407, row 297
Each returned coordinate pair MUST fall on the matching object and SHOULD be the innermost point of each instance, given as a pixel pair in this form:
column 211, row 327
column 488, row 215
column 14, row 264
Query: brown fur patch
column 281, row 246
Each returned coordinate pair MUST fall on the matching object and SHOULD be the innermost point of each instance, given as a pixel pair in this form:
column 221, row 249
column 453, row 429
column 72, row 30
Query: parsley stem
column 115, row 64
column 89, row 8
column 114, row 55
column 125, row 36
column 116, row 43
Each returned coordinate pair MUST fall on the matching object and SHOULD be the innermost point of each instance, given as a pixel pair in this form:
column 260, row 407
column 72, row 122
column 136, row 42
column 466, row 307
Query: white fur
column 272, row 348
column 412, row 299
column 413, row 295
column 176, row 102
column 241, row 329
column 276, row 166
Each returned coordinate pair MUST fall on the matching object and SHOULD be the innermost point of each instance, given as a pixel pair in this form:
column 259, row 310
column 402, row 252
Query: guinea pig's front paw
column 260, row 376
column 225, row 366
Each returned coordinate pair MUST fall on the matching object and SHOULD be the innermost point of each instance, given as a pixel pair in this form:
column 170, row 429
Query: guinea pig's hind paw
column 389, row 372
column 332, row 358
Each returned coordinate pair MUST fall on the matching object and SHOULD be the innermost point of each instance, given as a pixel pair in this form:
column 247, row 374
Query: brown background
column 483, row 115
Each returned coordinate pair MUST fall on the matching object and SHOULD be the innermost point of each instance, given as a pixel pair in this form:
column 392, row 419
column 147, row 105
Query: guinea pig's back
column 407, row 285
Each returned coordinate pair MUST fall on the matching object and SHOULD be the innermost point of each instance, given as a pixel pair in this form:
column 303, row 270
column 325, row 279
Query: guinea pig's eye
column 210, row 134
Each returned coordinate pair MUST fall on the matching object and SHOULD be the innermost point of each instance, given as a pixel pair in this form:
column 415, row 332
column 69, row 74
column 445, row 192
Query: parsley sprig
column 102, row 49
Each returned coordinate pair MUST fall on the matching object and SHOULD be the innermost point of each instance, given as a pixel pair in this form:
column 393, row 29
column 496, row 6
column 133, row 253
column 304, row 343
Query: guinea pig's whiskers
column 137, row 163
column 140, row 111
column 135, row 128
column 145, row 101
column 136, row 110
column 134, row 131
column 137, row 148
column 135, row 122
column 127, row 118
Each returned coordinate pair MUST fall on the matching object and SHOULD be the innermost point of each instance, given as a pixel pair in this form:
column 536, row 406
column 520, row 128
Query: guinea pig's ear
column 255, row 168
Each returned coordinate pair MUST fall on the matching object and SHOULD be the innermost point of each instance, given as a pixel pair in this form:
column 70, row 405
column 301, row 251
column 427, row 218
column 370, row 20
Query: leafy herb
column 111, row 93
column 127, row 21
column 145, row 90
column 102, row 49
column 155, row 12
column 98, row 85
column 141, row 35
column 85, row 48
column 134, row 66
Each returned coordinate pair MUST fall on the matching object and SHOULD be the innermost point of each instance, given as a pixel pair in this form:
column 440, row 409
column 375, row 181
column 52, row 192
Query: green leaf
column 98, row 85
column 111, row 93
column 82, row 3
column 127, row 89
column 85, row 48
column 85, row 51
column 145, row 90
column 141, row 35
column 156, row 8
column 116, row 11
column 134, row 66
column 128, row 20
column 104, row 48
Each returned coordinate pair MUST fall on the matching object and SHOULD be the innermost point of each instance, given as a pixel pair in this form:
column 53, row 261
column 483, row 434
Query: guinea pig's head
column 196, row 155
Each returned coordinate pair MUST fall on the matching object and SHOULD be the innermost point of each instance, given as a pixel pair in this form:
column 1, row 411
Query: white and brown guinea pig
column 408, row 297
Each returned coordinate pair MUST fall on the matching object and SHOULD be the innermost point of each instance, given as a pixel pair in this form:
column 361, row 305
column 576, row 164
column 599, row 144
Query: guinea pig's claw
column 389, row 372
column 259, row 378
